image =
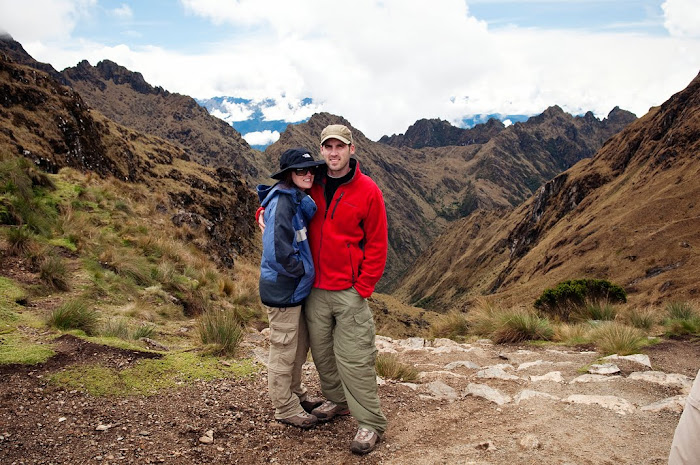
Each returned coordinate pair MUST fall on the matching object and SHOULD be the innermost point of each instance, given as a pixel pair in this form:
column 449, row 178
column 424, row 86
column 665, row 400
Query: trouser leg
column 685, row 449
column 355, row 353
column 321, row 325
column 284, row 335
column 302, row 352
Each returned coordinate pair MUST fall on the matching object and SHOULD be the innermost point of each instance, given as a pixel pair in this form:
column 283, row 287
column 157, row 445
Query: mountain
column 426, row 188
column 630, row 215
column 440, row 133
column 51, row 125
column 126, row 98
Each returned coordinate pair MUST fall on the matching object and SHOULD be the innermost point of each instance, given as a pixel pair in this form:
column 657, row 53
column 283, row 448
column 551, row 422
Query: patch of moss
column 14, row 349
column 150, row 376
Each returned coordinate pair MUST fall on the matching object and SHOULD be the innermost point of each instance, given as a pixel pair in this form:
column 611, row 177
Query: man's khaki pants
column 685, row 449
column 341, row 332
column 289, row 345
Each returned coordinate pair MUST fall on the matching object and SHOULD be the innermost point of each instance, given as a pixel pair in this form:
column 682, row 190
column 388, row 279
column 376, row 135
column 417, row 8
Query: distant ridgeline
column 247, row 117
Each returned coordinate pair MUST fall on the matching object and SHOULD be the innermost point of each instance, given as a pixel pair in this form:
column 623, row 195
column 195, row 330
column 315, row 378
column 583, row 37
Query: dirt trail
column 539, row 418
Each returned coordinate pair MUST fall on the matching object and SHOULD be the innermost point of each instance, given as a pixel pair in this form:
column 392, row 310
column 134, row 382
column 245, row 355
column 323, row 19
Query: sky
column 381, row 64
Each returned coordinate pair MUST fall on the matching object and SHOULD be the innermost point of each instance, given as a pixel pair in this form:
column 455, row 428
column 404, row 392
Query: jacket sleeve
column 376, row 244
column 286, row 254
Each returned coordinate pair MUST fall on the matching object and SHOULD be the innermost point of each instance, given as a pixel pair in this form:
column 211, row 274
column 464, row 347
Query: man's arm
column 260, row 218
column 376, row 245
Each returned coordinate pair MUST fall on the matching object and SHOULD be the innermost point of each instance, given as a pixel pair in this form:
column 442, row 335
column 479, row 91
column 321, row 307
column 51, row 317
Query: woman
column 286, row 276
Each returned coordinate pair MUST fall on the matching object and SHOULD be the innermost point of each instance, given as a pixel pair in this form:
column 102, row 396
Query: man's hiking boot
column 328, row 410
column 300, row 420
column 365, row 441
column 311, row 403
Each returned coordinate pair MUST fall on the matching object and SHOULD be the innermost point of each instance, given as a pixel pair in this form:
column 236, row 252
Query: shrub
column 21, row 241
column 599, row 310
column 452, row 325
column 616, row 338
column 52, row 271
column 222, row 329
column 573, row 335
column 389, row 366
column 682, row 320
column 570, row 296
column 642, row 319
column 521, row 325
column 74, row 314
column 144, row 330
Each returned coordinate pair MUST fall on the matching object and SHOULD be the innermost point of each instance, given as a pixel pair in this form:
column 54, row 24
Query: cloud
column 384, row 65
column 682, row 17
column 261, row 137
column 234, row 112
column 124, row 12
column 42, row 19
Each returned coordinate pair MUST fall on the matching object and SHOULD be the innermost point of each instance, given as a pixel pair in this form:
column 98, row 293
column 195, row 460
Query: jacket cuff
column 258, row 212
column 365, row 292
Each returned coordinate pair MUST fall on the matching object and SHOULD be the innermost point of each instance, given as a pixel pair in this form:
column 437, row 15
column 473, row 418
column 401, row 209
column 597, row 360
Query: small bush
column 452, row 325
column 572, row 334
column 21, row 241
column 682, row 320
column 221, row 328
column 144, row 330
column 52, row 271
column 643, row 319
column 520, row 325
column 389, row 366
column 680, row 311
column 616, row 338
column 74, row 315
column 599, row 310
column 569, row 296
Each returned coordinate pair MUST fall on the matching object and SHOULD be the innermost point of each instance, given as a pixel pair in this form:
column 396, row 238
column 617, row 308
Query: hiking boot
column 328, row 410
column 365, row 441
column 300, row 420
column 311, row 403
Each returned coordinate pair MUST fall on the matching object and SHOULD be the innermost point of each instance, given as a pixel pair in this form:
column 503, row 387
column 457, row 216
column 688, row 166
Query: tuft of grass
column 482, row 318
column 144, row 330
column 600, row 310
column 115, row 327
column 644, row 318
column 150, row 376
column 617, row 338
column 452, row 325
column 222, row 329
column 521, row 325
column 682, row 320
column 681, row 311
column 21, row 241
column 75, row 314
column 52, row 272
column 572, row 334
column 389, row 366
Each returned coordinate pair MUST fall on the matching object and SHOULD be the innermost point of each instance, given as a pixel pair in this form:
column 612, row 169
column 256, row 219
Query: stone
column 670, row 404
column 440, row 390
column 526, row 394
column 641, row 359
column 664, row 379
column 462, row 363
column 604, row 369
column 593, row 379
column 496, row 372
column 617, row 404
column 553, row 376
column 487, row 392
column 529, row 442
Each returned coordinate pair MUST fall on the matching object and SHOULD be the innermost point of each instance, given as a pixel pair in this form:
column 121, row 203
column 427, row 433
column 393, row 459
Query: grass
column 572, row 334
column 389, row 366
column 600, row 310
column 521, row 325
column 150, row 376
column 453, row 325
column 617, row 338
column 52, row 272
column 16, row 349
column 222, row 330
column 75, row 314
column 682, row 320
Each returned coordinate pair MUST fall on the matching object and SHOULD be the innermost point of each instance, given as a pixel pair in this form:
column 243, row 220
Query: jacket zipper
column 336, row 203
column 352, row 266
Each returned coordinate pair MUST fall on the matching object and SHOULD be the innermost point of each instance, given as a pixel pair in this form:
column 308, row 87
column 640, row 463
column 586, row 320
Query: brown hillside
column 427, row 188
column 51, row 125
column 125, row 97
column 629, row 215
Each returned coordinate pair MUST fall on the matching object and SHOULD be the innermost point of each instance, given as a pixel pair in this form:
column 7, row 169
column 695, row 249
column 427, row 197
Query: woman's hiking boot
column 328, row 410
column 311, row 403
column 365, row 441
column 300, row 420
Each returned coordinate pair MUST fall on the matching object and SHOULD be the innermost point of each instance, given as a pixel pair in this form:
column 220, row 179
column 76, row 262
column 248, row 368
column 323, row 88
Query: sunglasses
column 303, row 171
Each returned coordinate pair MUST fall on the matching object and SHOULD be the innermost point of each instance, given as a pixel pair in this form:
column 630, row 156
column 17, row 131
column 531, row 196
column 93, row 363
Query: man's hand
column 260, row 218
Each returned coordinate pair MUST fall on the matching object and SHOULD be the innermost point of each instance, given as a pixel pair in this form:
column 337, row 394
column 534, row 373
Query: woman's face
column 303, row 178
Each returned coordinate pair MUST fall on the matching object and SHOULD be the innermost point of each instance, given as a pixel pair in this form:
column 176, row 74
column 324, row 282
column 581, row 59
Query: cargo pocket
column 282, row 352
column 364, row 328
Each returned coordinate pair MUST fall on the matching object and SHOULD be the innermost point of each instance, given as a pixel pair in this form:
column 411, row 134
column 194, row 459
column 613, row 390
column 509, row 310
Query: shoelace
column 363, row 434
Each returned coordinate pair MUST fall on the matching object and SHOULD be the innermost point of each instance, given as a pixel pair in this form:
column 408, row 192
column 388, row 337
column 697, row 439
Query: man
column 685, row 448
column 348, row 239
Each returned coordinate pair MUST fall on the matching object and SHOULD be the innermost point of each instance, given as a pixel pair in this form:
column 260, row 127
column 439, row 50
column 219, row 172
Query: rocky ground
column 474, row 404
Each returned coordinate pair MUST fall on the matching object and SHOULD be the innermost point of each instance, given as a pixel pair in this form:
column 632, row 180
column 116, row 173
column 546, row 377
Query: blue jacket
column 286, row 267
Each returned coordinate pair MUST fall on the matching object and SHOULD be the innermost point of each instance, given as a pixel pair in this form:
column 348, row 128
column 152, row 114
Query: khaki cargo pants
column 685, row 449
column 341, row 332
column 289, row 345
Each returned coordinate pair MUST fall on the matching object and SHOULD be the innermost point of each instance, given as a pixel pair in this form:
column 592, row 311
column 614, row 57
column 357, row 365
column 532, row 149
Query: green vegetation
column 521, row 325
column 222, row 329
column 452, row 325
column 569, row 297
column 616, row 338
column 682, row 319
column 75, row 314
column 389, row 366
column 149, row 376
column 16, row 349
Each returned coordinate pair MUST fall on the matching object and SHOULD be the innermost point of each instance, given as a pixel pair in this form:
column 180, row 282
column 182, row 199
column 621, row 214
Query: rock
column 412, row 343
column 208, row 437
column 592, row 379
column 440, row 390
column 641, row 359
column 664, row 379
column 102, row 427
column 553, row 376
column 154, row 344
column 529, row 442
column 486, row 445
column 462, row 363
column 617, row 404
column 670, row 404
column 604, row 369
column 486, row 392
column 497, row 372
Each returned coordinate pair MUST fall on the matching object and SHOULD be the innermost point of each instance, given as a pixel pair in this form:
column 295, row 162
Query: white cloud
column 123, row 12
column 682, row 17
column 233, row 112
column 42, row 19
column 383, row 65
column 261, row 137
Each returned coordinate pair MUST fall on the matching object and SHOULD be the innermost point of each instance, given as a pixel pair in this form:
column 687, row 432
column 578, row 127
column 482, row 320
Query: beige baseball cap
column 336, row 131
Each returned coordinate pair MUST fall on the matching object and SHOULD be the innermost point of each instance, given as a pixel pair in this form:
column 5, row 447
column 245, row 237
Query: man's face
column 337, row 156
